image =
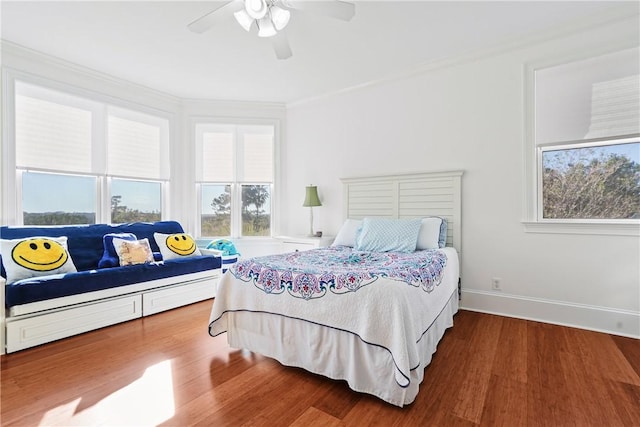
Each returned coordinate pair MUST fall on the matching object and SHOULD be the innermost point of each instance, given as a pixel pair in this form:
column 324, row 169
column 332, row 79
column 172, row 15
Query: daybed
column 90, row 289
column 371, row 308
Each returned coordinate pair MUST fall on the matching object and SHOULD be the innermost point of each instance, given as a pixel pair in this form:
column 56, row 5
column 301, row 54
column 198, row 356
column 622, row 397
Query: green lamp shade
column 311, row 199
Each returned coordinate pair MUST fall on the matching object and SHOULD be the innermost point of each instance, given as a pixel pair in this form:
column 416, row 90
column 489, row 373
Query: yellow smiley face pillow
column 179, row 245
column 35, row 257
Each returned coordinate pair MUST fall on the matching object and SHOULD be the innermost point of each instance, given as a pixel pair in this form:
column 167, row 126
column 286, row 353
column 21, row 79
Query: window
column 234, row 172
column 133, row 201
column 54, row 199
column 215, row 219
column 586, row 141
column 79, row 161
column 594, row 180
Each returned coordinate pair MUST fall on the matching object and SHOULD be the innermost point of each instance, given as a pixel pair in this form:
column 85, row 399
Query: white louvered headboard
column 408, row 196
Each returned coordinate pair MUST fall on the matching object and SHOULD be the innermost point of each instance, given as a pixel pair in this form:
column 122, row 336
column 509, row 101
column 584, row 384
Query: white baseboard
column 601, row 319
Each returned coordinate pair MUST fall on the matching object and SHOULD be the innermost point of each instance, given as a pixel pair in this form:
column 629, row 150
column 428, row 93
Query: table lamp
column 311, row 199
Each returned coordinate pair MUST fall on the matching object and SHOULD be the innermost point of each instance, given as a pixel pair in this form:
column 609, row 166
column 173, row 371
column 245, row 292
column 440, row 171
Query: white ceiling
column 148, row 42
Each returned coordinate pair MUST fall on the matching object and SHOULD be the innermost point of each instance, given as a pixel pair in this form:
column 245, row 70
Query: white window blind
column 230, row 153
column 615, row 107
column 258, row 155
column 591, row 98
column 217, row 157
column 49, row 134
column 135, row 149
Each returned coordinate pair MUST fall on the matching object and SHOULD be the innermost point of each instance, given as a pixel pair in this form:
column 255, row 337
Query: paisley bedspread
column 339, row 269
column 386, row 300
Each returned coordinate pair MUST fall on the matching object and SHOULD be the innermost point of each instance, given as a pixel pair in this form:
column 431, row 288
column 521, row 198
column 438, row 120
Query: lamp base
column 310, row 221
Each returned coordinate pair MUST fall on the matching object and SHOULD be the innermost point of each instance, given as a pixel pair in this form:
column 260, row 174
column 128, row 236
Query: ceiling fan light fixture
column 266, row 28
column 256, row 9
column 244, row 19
column 280, row 17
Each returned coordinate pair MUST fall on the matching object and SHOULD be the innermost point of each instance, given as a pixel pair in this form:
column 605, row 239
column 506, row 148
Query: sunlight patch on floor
column 148, row 401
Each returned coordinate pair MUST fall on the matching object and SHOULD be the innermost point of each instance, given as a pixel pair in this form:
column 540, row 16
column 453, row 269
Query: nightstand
column 303, row 243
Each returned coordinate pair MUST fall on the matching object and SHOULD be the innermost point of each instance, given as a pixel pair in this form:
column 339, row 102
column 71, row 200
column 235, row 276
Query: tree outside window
column 598, row 182
column 217, row 220
column 135, row 201
column 256, row 210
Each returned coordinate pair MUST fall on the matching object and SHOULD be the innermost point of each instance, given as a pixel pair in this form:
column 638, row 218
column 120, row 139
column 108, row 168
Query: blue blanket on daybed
column 85, row 244
column 62, row 285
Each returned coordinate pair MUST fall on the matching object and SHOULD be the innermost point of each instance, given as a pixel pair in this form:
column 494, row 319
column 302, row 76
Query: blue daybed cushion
column 61, row 285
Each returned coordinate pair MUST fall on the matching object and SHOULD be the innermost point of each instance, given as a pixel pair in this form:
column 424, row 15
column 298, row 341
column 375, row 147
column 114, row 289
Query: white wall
column 469, row 115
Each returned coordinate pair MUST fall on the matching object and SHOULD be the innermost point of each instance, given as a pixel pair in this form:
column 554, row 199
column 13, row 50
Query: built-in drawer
column 47, row 327
column 175, row 296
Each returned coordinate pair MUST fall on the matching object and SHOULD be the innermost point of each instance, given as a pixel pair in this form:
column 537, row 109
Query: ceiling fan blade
column 334, row 9
column 216, row 16
column 281, row 46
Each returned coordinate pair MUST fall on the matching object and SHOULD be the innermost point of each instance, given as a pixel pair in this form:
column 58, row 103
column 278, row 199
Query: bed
column 356, row 311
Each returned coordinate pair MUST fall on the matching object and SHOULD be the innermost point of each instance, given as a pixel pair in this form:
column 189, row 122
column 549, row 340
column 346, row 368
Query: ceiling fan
column 271, row 17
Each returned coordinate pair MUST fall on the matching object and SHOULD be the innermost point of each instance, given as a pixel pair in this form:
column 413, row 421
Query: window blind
column 217, row 157
column 615, row 107
column 134, row 149
column 258, row 157
column 590, row 98
column 232, row 153
column 51, row 135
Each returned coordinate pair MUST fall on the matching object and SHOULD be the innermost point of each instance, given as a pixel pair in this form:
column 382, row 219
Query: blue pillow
column 388, row 235
column 109, row 256
column 433, row 233
column 442, row 240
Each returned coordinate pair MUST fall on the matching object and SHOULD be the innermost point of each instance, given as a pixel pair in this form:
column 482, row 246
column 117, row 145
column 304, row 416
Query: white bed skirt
column 336, row 354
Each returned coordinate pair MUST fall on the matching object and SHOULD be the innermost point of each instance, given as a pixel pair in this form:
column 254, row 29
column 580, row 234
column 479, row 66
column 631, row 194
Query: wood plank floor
column 166, row 370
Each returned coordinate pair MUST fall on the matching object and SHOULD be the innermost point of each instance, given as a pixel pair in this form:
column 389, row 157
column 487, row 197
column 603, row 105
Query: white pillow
column 35, row 257
column 347, row 234
column 429, row 236
column 179, row 245
column 131, row 252
column 388, row 235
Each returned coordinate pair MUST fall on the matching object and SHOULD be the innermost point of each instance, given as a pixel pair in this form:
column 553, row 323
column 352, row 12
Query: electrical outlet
column 495, row 284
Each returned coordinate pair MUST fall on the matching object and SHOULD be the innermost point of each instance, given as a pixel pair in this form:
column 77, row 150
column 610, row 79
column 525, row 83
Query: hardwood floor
column 166, row 370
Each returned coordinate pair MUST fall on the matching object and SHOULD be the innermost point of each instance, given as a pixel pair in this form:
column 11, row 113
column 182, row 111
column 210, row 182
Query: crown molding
column 615, row 14
column 20, row 52
column 276, row 107
column 11, row 49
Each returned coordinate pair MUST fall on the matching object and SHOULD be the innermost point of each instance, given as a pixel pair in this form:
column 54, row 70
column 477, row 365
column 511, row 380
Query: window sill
column 597, row 228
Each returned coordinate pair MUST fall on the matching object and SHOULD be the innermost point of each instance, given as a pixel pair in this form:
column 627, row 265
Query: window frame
column 533, row 221
column 236, row 184
column 11, row 212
